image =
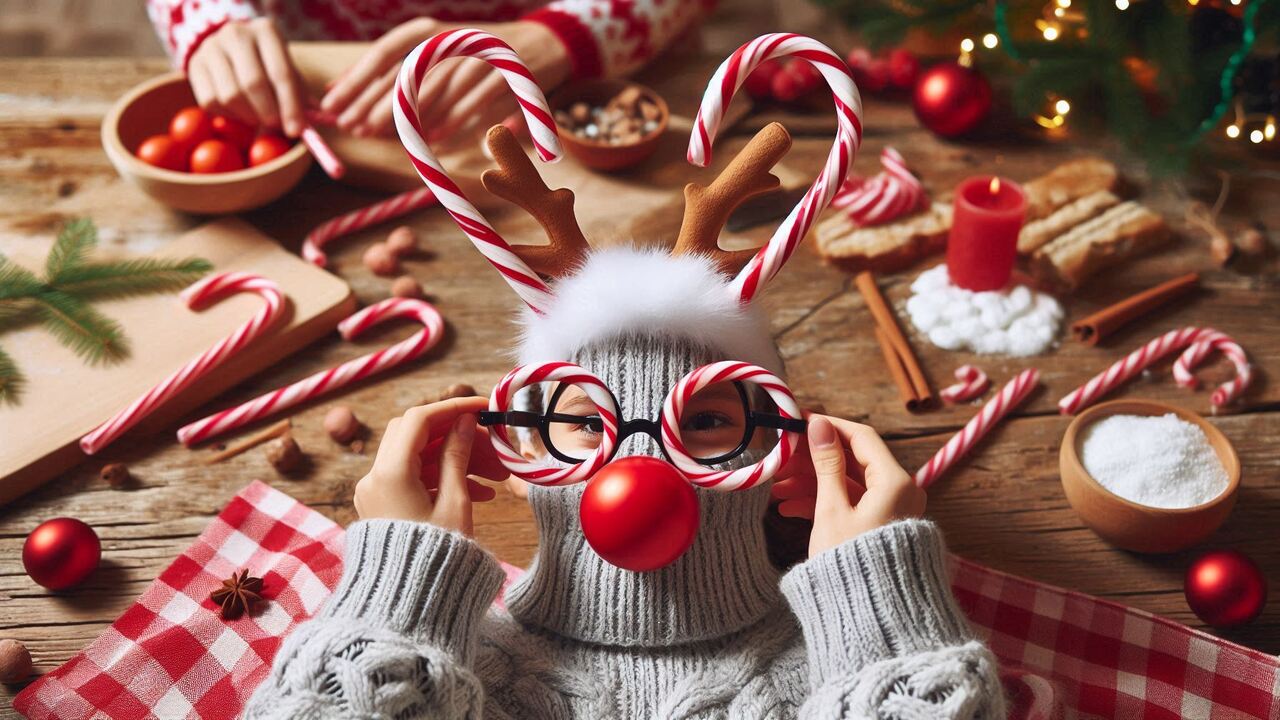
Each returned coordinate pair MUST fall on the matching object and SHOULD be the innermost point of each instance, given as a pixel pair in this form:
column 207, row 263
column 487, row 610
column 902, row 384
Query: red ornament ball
column 951, row 99
column 61, row 552
column 639, row 513
column 1225, row 588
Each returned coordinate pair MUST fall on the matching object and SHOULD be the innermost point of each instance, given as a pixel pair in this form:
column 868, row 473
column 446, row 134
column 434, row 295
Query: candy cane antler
column 726, row 81
column 329, row 380
column 537, row 114
column 199, row 295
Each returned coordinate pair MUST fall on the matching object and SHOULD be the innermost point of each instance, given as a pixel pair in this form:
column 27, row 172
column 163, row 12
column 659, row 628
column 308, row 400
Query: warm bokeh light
column 990, row 40
column 1269, row 130
column 966, row 45
column 1233, row 131
column 1255, row 137
column 1051, row 33
column 1122, row 4
column 1062, row 106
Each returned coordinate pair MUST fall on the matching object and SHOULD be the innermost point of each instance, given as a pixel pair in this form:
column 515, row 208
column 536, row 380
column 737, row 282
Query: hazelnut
column 379, row 259
column 456, row 390
column 15, row 662
column 115, row 474
column 1221, row 250
column 406, row 286
column 1251, row 242
column 650, row 111
column 285, row 455
column 341, row 424
column 402, row 241
column 579, row 112
column 628, row 98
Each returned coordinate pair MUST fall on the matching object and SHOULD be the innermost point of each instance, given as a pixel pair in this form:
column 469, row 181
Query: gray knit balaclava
column 572, row 591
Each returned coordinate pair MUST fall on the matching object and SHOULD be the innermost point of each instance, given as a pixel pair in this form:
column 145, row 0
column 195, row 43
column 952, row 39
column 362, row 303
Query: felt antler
column 518, row 181
column 707, row 207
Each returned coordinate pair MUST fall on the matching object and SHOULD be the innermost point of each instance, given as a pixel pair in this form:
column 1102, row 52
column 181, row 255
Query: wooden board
column 65, row 398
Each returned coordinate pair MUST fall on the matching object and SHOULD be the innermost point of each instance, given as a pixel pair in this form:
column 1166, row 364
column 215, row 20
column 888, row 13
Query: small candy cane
column 365, row 217
column 1009, row 397
column 728, row 371
column 320, row 150
column 540, row 473
column 972, row 382
column 1138, row 360
column 197, row 296
column 1198, row 351
column 724, row 83
column 334, row 378
column 537, row 115
column 889, row 195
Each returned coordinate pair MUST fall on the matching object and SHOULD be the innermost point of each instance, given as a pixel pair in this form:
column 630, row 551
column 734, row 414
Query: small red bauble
column 61, row 552
column 639, row 513
column 903, row 68
column 951, row 99
column 870, row 73
column 759, row 84
column 1225, row 588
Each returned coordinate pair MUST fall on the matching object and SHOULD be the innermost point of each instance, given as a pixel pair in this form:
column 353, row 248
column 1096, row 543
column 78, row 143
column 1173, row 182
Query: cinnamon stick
column 1092, row 329
column 267, row 433
column 905, row 390
column 888, row 325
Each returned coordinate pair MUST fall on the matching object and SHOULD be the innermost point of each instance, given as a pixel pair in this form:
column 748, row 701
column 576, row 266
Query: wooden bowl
column 1137, row 527
column 145, row 111
column 597, row 154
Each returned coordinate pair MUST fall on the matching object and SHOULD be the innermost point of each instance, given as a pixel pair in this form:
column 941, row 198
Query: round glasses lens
column 573, row 423
column 714, row 424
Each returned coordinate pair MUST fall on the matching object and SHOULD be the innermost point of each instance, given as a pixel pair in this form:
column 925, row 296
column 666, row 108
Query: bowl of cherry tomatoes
column 193, row 160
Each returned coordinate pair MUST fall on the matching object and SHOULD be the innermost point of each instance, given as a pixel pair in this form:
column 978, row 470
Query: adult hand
column 460, row 96
column 422, row 467
column 244, row 71
column 852, row 483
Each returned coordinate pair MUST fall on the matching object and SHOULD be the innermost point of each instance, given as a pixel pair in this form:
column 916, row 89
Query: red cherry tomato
column 233, row 131
column 639, row 513
column 216, row 156
column 162, row 152
column 267, row 148
column 190, row 126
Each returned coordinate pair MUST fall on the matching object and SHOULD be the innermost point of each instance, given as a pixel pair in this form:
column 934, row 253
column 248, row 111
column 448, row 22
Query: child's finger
column 798, row 508
column 480, row 493
column 454, row 457
column 827, row 451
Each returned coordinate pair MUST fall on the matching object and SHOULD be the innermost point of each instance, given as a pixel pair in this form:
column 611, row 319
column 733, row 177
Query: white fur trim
column 626, row 291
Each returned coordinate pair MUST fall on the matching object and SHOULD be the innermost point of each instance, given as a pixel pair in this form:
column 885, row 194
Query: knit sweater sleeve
column 884, row 636
column 606, row 38
column 396, row 638
column 183, row 24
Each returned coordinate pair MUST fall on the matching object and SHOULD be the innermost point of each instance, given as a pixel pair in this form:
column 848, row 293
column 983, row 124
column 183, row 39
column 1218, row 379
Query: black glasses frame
column 627, row 428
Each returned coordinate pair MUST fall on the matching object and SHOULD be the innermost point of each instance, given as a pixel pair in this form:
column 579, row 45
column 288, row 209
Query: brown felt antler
column 518, row 181
column 707, row 207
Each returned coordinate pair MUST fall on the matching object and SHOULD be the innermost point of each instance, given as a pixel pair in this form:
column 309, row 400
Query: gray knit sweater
column 868, row 629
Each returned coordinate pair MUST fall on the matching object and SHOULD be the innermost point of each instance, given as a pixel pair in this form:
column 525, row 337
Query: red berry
column 807, row 75
column 786, row 87
column 233, row 131
column 903, row 68
column 216, row 156
column 759, row 84
column 858, row 58
column 267, row 148
column 190, row 126
column 162, row 152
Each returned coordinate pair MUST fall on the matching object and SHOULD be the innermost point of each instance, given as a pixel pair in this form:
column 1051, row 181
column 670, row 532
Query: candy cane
column 1009, row 397
column 327, row 381
column 724, row 83
column 540, row 473
column 971, row 382
column 542, row 128
column 320, row 150
column 197, row 296
column 1138, row 360
column 1199, row 350
column 365, row 217
column 892, row 193
column 728, row 371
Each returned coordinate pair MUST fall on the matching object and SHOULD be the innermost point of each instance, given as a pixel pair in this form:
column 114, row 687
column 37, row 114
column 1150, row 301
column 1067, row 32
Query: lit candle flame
column 995, row 186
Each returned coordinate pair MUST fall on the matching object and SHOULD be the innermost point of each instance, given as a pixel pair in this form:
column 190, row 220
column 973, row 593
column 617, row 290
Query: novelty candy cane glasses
column 666, row 429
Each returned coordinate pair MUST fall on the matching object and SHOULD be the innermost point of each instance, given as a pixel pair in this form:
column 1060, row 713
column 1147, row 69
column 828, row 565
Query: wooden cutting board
column 65, row 398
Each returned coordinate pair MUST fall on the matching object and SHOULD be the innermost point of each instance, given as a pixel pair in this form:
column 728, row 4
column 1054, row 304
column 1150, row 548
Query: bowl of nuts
column 609, row 124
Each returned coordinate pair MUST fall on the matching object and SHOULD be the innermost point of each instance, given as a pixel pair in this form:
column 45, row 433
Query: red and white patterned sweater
column 604, row 37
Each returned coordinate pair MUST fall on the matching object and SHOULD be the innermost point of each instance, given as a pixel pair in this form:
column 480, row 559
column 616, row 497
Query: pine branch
column 130, row 277
column 88, row 333
column 77, row 237
column 11, row 380
column 17, row 286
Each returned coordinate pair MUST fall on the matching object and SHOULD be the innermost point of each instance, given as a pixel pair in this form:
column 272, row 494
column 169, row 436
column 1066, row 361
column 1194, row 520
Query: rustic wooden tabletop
column 1003, row 507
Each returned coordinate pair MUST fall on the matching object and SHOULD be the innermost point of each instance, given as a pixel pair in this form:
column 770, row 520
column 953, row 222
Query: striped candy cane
column 1138, row 360
column 1009, row 397
column 892, row 193
column 724, row 83
column 970, row 383
column 727, row 371
column 197, row 296
column 540, row 473
column 356, row 220
column 537, row 114
column 1209, row 341
column 334, row 378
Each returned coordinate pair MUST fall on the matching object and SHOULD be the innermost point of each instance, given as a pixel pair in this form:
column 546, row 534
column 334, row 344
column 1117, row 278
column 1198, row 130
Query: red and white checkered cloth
column 1063, row 654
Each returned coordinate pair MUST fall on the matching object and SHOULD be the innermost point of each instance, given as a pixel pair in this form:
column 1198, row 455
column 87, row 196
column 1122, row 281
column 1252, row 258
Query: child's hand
column 243, row 70
column 855, row 484
column 420, row 472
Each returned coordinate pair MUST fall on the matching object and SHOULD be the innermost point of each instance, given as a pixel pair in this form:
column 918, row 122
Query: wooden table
column 1003, row 507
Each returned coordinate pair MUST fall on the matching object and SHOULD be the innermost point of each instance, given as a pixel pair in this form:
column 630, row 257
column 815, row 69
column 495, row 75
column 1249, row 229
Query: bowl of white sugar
column 1147, row 476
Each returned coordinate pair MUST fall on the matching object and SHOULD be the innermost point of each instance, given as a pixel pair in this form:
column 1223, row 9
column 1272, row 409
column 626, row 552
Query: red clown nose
column 639, row 513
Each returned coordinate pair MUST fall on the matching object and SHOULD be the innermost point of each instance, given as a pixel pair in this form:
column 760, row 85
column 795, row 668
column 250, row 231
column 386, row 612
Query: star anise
column 237, row 594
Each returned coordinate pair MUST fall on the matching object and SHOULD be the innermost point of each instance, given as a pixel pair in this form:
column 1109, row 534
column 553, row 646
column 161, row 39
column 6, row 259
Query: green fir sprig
column 60, row 301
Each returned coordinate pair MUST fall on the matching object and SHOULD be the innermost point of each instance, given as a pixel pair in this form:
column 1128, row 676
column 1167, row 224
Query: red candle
column 984, row 232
